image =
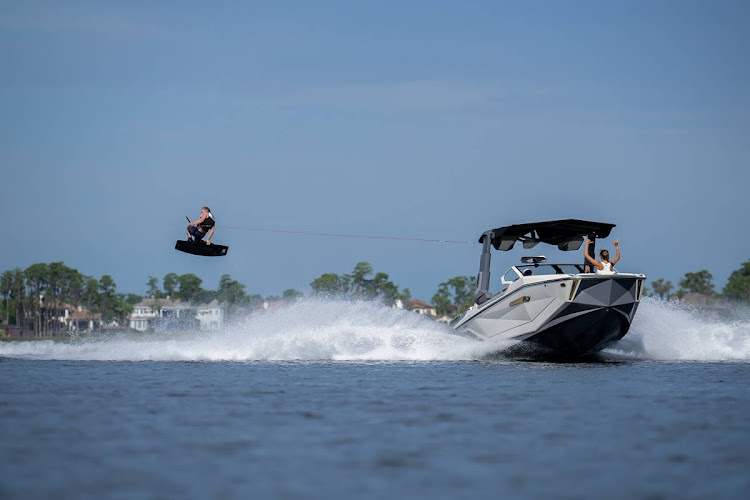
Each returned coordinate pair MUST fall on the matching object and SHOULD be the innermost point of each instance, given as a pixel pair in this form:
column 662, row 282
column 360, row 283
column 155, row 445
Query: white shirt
column 608, row 269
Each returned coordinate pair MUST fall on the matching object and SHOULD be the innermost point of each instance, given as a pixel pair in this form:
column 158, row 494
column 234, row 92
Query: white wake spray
column 307, row 330
column 365, row 331
column 671, row 331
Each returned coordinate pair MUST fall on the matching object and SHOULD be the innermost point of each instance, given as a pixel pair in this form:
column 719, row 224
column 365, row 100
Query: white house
column 211, row 316
column 152, row 313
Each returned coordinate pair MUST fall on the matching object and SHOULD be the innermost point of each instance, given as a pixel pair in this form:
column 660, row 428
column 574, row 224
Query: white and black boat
column 555, row 309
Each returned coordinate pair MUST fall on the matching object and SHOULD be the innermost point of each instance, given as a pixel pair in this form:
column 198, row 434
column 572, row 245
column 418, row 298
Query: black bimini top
column 567, row 234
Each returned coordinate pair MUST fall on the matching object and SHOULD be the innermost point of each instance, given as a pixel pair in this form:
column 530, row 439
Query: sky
column 405, row 119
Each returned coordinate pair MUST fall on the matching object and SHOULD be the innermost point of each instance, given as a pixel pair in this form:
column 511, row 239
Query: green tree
column 91, row 293
column 124, row 305
column 131, row 298
column 454, row 295
column 36, row 279
column 58, row 278
column 662, row 288
column 405, row 298
column 291, row 295
column 18, row 293
column 38, row 295
column 75, row 287
column 171, row 281
column 6, row 285
column 190, row 288
column 738, row 285
column 357, row 280
column 381, row 286
column 108, row 303
column 231, row 294
column 699, row 282
column 153, row 288
column 329, row 284
column 357, row 285
column 253, row 302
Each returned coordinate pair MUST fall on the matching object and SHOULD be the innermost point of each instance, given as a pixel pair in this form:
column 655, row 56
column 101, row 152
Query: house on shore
column 57, row 321
column 81, row 320
column 155, row 314
column 423, row 308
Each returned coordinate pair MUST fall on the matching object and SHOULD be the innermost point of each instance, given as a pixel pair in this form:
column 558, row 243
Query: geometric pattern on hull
column 608, row 292
column 590, row 321
column 582, row 334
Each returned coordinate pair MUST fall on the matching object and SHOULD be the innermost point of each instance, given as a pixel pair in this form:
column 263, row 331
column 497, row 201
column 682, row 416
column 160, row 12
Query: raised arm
column 589, row 258
column 617, row 252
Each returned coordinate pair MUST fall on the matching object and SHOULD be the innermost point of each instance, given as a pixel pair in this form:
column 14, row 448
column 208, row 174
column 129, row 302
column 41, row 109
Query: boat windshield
column 544, row 269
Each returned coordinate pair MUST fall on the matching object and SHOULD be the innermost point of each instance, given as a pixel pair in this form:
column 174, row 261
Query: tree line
column 358, row 285
column 230, row 294
column 34, row 298
column 737, row 288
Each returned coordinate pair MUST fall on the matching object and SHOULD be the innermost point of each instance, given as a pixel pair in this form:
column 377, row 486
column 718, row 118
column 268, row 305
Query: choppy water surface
column 327, row 399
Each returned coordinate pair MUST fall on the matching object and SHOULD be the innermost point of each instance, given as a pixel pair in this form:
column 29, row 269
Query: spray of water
column 364, row 331
column 665, row 330
column 307, row 330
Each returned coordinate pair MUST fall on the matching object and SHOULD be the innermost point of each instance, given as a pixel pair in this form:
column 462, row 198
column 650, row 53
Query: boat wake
column 307, row 330
column 364, row 331
column 665, row 330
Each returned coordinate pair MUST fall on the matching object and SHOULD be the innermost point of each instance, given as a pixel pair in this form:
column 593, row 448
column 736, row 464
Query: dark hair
column 207, row 209
column 604, row 254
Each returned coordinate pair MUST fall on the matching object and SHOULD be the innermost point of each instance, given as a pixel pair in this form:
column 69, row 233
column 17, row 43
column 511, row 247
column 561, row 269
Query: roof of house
column 173, row 304
column 80, row 312
column 84, row 314
column 418, row 304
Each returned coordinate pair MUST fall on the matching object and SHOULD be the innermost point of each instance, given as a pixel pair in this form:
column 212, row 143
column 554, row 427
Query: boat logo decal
column 520, row 300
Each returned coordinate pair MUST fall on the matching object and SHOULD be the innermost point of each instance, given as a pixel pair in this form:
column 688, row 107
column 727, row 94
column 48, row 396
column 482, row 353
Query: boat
column 551, row 309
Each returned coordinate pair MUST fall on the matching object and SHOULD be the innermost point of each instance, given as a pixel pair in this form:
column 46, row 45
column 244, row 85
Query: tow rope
column 340, row 235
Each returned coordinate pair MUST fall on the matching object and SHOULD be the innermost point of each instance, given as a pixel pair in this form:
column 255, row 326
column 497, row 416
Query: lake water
column 328, row 400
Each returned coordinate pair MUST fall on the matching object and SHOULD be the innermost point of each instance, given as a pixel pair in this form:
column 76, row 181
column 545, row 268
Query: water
column 355, row 400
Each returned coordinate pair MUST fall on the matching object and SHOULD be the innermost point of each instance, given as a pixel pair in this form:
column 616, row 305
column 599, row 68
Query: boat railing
column 517, row 272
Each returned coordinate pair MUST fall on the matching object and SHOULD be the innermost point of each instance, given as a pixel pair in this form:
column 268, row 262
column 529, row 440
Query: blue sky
column 418, row 119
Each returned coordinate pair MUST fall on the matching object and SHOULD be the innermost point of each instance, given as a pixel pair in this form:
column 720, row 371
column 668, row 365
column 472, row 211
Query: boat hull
column 571, row 316
column 585, row 334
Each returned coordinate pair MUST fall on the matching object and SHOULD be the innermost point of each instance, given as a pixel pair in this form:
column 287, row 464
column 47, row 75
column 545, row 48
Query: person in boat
column 605, row 266
column 198, row 229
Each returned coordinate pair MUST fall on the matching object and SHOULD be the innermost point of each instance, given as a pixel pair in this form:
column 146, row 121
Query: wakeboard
column 200, row 248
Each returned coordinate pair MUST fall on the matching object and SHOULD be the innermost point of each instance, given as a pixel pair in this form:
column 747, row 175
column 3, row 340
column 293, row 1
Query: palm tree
column 18, row 291
column 358, row 278
column 662, row 288
column 6, row 285
column 36, row 279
